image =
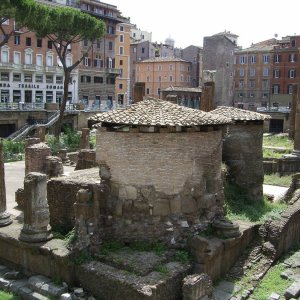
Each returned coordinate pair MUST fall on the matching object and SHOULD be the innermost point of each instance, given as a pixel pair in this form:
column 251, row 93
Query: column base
column 35, row 236
column 5, row 219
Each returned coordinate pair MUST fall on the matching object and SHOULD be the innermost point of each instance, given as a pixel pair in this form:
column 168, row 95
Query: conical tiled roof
column 156, row 112
column 237, row 114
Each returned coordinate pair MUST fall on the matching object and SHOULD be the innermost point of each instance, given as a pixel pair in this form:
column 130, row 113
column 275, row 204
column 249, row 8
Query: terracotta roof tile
column 156, row 112
column 237, row 114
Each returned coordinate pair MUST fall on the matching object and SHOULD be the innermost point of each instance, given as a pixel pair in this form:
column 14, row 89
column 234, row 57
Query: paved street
column 14, row 179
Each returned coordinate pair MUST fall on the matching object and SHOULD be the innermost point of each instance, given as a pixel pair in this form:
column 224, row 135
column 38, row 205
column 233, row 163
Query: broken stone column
column 197, row 286
column 31, row 141
column 35, row 157
column 86, row 159
column 4, row 215
column 54, row 166
column 36, row 212
column 85, row 138
column 62, row 154
column 41, row 133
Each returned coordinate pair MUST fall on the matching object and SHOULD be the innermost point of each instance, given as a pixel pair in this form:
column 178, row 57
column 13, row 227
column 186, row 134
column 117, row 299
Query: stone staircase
column 37, row 287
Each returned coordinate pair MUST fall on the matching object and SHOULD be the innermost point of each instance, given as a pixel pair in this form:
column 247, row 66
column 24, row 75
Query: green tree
column 65, row 27
column 17, row 9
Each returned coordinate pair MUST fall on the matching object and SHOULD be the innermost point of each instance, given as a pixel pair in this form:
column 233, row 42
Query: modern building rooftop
column 156, row 112
column 237, row 114
column 163, row 59
column 183, row 89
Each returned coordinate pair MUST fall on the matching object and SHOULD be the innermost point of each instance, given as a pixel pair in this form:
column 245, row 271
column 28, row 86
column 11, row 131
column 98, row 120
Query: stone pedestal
column 36, row 212
column 4, row 215
column 54, row 166
column 85, row 138
column 41, row 133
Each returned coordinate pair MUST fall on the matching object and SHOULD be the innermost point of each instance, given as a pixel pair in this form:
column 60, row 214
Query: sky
column 188, row 21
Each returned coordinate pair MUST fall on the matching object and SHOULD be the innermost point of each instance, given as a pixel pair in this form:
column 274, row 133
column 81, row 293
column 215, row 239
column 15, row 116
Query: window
column 276, row 89
column 143, row 50
column 181, row 77
column 292, row 73
column 39, row 60
column 171, row 67
column 242, row 72
column 121, row 50
column 120, row 86
column 188, row 68
column 265, row 95
column 148, row 79
column 253, row 59
column 87, row 61
column 49, row 96
column 265, row 72
column 69, row 61
column 292, row 57
column 49, row 78
column 252, row 95
column 252, row 72
column 171, row 78
column 39, row 43
column 59, row 79
column 134, row 49
column 4, row 76
column 85, row 43
column 121, row 28
column 242, row 59
column 39, row 97
column 266, row 58
column 121, row 38
column 16, row 95
column 241, row 83
column 28, row 58
column 6, row 22
column 277, row 58
column 241, row 95
column 252, row 83
column 28, row 41
column 17, row 58
column 159, row 78
column 38, row 78
column 290, row 89
column 27, row 77
column 98, row 79
column 49, row 44
column 4, row 56
column 110, row 46
column 85, row 79
column 159, row 67
column 121, row 62
column 98, row 43
column 17, row 39
column 293, row 42
column 276, row 73
column 49, row 60
column 16, row 77
column 265, row 84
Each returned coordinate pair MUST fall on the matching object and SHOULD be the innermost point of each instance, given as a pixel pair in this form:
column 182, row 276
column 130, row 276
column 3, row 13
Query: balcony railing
column 4, row 65
column 29, row 67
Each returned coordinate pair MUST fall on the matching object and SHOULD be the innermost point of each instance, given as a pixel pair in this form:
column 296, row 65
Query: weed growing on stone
column 161, row 269
column 82, row 258
column 71, row 237
column 183, row 256
column 110, row 247
column 238, row 206
column 157, row 248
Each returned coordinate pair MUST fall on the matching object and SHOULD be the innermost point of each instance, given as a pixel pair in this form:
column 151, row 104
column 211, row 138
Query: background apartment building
column 31, row 72
column 218, row 55
column 159, row 73
column 265, row 74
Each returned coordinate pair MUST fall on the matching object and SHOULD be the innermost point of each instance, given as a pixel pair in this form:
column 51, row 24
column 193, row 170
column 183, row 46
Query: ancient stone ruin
column 242, row 148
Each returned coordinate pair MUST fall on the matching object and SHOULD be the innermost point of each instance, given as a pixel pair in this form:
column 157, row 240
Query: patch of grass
column 272, row 282
column 238, row 206
column 8, row 296
column 13, row 151
column 161, row 269
column 275, row 179
column 271, row 153
column 278, row 140
column 183, row 256
column 110, row 247
column 157, row 248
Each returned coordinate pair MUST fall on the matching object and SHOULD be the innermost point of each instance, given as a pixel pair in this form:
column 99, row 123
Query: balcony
column 6, row 66
column 51, row 69
column 29, row 67
column 114, row 71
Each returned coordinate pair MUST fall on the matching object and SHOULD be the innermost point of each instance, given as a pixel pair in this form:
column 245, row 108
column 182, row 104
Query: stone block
column 274, row 296
column 175, row 205
column 128, row 192
column 66, row 296
column 5, row 284
column 206, row 201
column 16, row 285
column 118, row 208
column 293, row 290
column 161, row 207
column 188, row 205
column 141, row 207
column 36, row 282
column 36, row 296
column 52, row 290
column 83, row 196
